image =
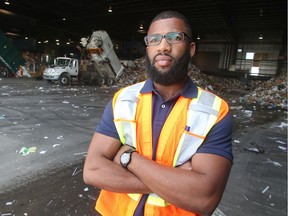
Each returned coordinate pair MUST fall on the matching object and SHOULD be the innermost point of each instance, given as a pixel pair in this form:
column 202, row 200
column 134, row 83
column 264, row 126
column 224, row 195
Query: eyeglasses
column 171, row 38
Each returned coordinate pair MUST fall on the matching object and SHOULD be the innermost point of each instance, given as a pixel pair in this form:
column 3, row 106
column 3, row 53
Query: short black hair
column 174, row 14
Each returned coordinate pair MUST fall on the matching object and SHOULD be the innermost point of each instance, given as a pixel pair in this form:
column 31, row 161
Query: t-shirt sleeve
column 219, row 140
column 106, row 125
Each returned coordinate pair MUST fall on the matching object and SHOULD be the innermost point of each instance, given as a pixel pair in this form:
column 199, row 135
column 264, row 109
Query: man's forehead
column 166, row 25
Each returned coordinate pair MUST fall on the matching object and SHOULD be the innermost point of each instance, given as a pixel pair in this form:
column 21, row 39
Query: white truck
column 98, row 64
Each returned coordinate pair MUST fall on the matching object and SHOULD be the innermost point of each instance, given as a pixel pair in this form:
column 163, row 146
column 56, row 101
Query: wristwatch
column 125, row 158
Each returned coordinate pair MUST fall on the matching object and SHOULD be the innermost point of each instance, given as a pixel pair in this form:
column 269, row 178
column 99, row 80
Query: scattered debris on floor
column 86, row 196
column 27, row 150
column 275, row 163
column 76, row 171
column 10, row 203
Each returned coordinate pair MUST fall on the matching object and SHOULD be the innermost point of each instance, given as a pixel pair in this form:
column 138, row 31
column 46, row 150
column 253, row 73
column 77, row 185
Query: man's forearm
column 111, row 176
column 167, row 182
column 101, row 171
column 184, row 188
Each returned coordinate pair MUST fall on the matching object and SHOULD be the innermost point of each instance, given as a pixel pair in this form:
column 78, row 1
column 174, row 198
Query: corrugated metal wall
column 265, row 57
column 232, row 58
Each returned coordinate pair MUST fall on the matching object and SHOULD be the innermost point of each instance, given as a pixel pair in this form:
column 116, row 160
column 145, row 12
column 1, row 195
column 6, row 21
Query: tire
column 93, row 79
column 3, row 72
column 64, row 79
column 100, row 80
column 85, row 79
column 109, row 81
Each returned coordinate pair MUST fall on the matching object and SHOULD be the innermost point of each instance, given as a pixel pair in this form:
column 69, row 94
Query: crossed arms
column 195, row 186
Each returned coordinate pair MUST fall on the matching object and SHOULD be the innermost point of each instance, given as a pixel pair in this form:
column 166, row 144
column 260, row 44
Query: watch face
column 125, row 158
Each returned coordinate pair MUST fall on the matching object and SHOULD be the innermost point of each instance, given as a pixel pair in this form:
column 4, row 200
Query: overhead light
column 63, row 18
column 198, row 37
column 12, row 34
column 141, row 29
column 7, row 2
column 261, row 37
column 261, row 12
column 26, row 38
column 110, row 9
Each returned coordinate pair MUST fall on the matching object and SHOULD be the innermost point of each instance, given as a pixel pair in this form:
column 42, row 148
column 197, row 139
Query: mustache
column 161, row 54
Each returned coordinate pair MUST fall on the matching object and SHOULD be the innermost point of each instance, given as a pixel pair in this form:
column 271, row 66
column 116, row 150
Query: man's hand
column 195, row 186
column 102, row 167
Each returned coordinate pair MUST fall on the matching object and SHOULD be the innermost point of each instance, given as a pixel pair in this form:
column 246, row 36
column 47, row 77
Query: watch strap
column 129, row 151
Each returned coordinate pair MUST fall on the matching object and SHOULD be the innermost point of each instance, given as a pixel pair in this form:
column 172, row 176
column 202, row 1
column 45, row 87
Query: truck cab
column 98, row 64
column 63, row 70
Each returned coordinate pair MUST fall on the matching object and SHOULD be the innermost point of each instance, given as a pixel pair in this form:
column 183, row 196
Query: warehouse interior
column 46, row 126
column 235, row 37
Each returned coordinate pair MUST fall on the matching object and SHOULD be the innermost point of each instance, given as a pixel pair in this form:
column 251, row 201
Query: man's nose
column 164, row 46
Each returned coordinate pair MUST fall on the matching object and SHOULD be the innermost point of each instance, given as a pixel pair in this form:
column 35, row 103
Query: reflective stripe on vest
column 124, row 113
column 152, row 199
column 202, row 114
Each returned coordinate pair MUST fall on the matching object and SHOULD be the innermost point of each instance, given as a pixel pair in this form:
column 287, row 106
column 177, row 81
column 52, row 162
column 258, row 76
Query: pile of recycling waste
column 270, row 93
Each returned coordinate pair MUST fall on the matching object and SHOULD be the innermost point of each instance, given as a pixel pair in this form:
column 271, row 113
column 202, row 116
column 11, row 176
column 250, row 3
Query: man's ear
column 192, row 49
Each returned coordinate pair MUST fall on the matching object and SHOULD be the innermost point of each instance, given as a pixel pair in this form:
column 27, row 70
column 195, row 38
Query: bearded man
column 163, row 146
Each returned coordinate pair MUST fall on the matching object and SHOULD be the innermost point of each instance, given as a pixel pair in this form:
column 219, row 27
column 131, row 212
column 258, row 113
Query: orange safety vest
column 183, row 132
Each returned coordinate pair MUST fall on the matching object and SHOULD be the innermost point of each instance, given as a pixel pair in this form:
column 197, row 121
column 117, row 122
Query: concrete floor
column 57, row 123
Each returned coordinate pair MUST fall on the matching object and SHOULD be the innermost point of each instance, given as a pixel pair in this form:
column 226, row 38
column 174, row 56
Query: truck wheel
column 100, row 80
column 3, row 72
column 86, row 80
column 64, row 79
column 110, row 81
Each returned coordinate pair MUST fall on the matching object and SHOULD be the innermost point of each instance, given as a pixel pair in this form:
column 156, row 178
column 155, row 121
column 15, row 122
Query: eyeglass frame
column 164, row 36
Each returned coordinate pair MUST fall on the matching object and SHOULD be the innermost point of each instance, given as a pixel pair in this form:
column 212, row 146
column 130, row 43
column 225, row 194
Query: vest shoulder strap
column 124, row 109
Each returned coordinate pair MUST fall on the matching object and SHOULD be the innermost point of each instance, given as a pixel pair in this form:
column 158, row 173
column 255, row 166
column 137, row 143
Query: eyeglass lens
column 171, row 37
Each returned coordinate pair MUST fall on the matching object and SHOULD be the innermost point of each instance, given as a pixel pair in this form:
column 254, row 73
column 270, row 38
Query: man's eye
column 153, row 39
column 175, row 37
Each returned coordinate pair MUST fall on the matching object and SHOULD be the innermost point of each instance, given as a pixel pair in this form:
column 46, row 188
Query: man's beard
column 177, row 73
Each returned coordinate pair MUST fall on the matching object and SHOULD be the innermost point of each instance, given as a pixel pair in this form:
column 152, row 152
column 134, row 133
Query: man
column 163, row 146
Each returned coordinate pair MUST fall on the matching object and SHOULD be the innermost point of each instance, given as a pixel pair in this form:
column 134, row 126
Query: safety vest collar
column 190, row 90
column 148, row 87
